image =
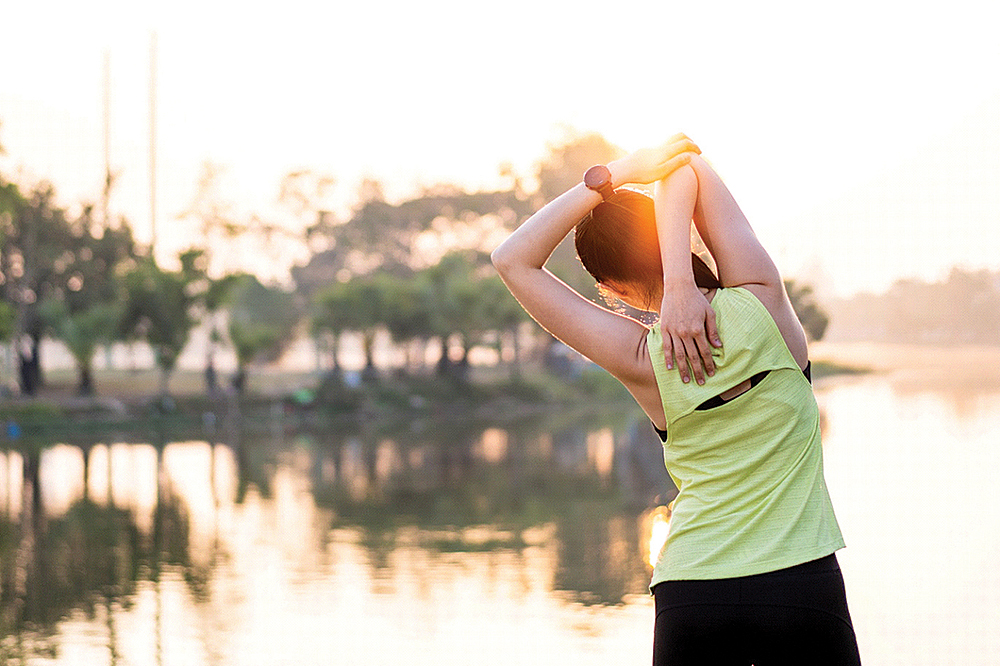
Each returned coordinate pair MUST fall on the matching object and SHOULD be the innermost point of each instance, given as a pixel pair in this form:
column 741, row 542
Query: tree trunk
column 408, row 363
column 25, row 377
column 30, row 376
column 368, row 342
column 515, row 368
column 421, row 355
column 86, row 384
column 164, row 382
column 461, row 369
column 444, row 363
column 335, row 353
column 211, row 378
column 335, row 373
column 240, row 379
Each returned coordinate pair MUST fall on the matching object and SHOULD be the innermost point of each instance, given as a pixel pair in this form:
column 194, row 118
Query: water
column 526, row 544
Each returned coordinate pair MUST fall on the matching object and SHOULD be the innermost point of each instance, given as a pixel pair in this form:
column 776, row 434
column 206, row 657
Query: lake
column 522, row 544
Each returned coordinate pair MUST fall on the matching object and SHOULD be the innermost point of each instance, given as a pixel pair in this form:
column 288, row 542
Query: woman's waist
column 729, row 493
column 817, row 583
column 791, row 515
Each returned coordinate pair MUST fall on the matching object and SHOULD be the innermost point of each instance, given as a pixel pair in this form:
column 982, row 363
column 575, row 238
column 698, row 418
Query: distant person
column 748, row 574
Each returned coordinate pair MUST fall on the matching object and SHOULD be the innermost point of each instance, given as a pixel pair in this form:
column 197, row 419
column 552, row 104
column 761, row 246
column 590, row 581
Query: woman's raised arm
column 687, row 321
column 576, row 321
column 740, row 258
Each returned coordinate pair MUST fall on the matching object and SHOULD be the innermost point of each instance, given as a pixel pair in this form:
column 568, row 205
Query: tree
column 566, row 161
column 158, row 308
column 331, row 316
column 407, row 314
column 10, row 198
column 262, row 321
column 813, row 318
column 45, row 255
column 6, row 329
column 356, row 305
column 209, row 297
column 507, row 316
column 460, row 305
column 233, row 235
column 83, row 310
column 365, row 301
column 403, row 238
column 6, row 321
column 962, row 309
column 82, row 332
column 34, row 236
column 307, row 195
column 214, row 298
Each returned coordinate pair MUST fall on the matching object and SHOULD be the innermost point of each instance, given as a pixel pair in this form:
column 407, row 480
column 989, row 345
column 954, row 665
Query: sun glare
column 655, row 528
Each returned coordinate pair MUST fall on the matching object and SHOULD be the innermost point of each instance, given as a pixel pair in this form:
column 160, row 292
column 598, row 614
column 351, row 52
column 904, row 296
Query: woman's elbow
column 501, row 258
column 682, row 178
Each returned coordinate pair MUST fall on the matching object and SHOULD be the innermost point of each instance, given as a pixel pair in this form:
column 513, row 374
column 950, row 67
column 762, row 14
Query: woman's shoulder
column 746, row 293
column 775, row 301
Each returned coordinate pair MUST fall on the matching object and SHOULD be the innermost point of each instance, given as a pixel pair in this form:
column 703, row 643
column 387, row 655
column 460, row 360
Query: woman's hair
column 617, row 241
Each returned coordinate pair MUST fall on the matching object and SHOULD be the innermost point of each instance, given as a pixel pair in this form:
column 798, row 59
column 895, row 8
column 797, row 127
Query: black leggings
column 782, row 618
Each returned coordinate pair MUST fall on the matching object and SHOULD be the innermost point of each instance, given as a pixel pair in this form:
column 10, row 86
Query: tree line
column 963, row 308
column 86, row 281
column 88, row 284
column 417, row 270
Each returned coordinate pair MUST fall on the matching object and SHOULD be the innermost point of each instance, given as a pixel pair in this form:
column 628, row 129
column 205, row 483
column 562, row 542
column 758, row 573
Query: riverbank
column 128, row 401
column 914, row 367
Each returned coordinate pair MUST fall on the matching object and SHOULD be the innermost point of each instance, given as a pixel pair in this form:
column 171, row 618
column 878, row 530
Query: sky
column 861, row 138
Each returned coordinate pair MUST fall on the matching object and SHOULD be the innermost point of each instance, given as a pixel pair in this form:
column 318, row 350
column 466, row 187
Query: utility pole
column 105, row 217
column 106, row 194
column 152, row 145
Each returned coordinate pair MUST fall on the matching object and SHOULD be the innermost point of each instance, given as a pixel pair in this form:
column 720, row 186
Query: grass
column 131, row 385
column 130, row 399
column 824, row 368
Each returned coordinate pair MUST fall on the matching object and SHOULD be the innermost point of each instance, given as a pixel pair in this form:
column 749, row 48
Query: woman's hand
column 649, row 165
column 687, row 320
column 687, row 323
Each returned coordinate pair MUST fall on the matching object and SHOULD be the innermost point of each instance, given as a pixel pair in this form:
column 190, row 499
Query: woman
column 748, row 574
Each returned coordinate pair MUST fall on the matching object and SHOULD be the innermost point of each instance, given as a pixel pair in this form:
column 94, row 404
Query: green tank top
column 750, row 472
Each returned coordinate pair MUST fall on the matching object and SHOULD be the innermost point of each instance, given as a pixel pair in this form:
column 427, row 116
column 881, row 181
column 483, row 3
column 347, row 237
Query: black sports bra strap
column 718, row 401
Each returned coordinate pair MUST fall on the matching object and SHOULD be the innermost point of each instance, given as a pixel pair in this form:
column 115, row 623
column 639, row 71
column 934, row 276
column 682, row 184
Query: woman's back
column 752, row 495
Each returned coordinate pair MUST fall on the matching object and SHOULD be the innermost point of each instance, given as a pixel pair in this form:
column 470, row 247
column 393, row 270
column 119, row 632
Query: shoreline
column 293, row 401
column 913, row 367
column 127, row 400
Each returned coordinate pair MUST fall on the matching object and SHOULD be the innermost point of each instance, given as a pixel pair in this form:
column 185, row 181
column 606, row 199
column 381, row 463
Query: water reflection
column 470, row 491
column 525, row 543
column 122, row 551
column 72, row 562
column 913, row 476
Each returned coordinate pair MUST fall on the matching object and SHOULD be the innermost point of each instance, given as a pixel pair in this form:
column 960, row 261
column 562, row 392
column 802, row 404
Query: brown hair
column 617, row 241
